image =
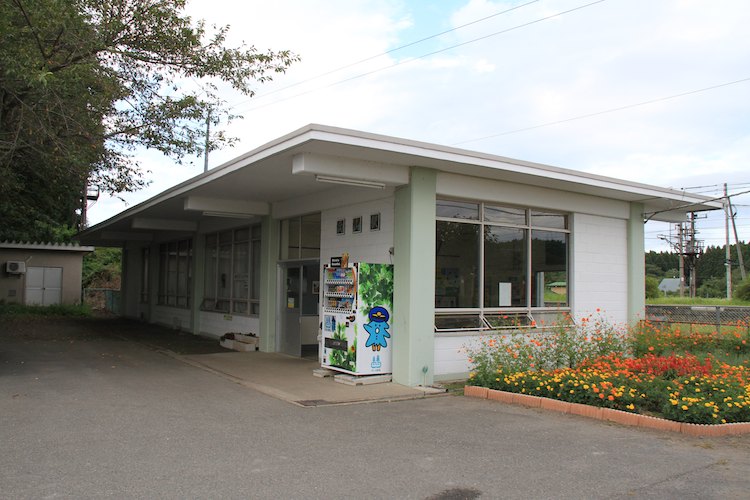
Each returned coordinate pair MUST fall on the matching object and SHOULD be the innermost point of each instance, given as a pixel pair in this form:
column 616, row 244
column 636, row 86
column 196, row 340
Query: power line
column 693, row 204
column 362, row 75
column 370, row 58
column 612, row 110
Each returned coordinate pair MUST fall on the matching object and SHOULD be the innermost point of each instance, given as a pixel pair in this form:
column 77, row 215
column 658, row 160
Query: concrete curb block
column 608, row 414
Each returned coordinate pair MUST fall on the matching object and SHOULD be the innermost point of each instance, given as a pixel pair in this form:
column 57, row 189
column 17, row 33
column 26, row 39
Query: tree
column 83, row 83
column 652, row 287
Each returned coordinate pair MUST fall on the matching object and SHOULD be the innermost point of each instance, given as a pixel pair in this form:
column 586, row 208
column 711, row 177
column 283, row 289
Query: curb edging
column 608, row 414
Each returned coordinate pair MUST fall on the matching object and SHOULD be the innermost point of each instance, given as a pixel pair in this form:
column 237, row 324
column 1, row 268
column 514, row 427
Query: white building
column 475, row 240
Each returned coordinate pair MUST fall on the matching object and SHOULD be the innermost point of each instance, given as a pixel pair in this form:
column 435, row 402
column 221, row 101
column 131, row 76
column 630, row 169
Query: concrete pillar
column 269, row 253
column 414, row 280
column 636, row 264
column 199, row 276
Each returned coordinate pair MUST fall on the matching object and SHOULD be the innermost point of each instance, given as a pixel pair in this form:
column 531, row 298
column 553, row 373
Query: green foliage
column 344, row 359
column 18, row 310
column 375, row 286
column 101, row 265
column 85, row 82
column 652, row 287
column 564, row 344
column 742, row 291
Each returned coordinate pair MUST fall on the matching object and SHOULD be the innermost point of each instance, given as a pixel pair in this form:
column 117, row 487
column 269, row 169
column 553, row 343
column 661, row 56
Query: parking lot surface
column 89, row 411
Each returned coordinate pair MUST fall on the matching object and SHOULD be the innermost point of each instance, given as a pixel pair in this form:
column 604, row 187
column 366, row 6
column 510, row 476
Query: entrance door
column 43, row 286
column 291, row 309
column 298, row 325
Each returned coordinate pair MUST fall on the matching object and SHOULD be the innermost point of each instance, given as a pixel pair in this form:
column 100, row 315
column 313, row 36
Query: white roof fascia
column 335, row 135
column 462, row 156
column 63, row 247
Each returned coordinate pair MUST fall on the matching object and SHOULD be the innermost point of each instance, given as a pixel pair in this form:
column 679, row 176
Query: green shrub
column 79, row 311
column 742, row 291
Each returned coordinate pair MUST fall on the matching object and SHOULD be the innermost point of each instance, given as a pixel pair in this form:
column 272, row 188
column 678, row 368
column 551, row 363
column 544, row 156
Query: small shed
column 669, row 285
column 41, row 274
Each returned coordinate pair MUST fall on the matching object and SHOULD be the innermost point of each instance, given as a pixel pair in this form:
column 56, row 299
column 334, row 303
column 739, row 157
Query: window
column 232, row 271
column 375, row 222
column 300, row 238
column 357, row 225
column 496, row 265
column 175, row 259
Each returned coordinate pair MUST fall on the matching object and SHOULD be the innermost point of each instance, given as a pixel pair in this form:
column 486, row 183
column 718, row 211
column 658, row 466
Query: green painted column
column 199, row 276
column 269, row 253
column 414, row 280
column 636, row 264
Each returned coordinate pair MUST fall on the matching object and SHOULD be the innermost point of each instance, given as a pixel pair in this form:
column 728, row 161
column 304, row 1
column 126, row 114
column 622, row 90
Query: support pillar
column 199, row 277
column 414, row 280
column 636, row 264
column 269, row 253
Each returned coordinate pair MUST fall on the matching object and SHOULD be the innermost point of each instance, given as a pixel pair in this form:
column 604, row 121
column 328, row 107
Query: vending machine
column 357, row 315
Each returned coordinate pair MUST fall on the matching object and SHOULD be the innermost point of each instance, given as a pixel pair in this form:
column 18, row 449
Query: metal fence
column 102, row 299
column 699, row 315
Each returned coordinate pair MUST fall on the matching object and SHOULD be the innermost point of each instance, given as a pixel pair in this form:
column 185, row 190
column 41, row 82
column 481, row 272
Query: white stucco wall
column 367, row 246
column 450, row 354
column 171, row 317
column 217, row 324
column 600, row 266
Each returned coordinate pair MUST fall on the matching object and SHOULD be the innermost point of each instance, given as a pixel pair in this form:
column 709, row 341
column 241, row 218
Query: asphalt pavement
column 88, row 412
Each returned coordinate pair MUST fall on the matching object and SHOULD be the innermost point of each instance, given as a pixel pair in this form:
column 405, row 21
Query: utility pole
column 727, row 252
column 208, row 140
column 692, row 252
column 740, row 260
column 681, row 246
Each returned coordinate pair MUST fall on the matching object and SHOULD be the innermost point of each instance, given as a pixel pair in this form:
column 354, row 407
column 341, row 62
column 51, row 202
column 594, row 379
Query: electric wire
column 406, row 61
column 606, row 111
column 370, row 58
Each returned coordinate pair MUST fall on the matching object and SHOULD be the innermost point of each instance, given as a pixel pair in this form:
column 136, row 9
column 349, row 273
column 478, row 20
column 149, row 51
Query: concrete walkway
column 291, row 379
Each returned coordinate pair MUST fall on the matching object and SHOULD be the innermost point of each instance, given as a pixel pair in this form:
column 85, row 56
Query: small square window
column 375, row 222
column 357, row 224
column 341, row 226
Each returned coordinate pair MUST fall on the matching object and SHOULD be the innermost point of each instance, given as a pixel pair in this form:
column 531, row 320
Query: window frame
column 239, row 306
column 175, row 255
column 524, row 314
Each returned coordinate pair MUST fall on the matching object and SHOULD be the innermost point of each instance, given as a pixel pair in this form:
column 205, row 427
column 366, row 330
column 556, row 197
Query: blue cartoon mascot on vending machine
column 377, row 328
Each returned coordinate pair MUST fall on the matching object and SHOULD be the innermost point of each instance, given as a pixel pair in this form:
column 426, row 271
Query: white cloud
column 601, row 57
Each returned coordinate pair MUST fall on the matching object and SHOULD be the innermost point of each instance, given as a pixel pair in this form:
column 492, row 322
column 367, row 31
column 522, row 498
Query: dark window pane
column 505, row 215
column 310, row 244
column 549, row 267
column 507, row 320
column 457, row 265
column 504, row 267
column 457, row 210
column 458, row 322
column 242, row 234
column 548, row 219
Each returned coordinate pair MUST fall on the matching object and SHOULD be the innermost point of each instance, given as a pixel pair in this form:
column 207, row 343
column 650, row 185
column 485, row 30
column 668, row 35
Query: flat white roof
column 265, row 175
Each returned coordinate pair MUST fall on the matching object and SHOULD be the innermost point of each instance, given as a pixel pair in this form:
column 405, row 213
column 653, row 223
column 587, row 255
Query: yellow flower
column 684, row 407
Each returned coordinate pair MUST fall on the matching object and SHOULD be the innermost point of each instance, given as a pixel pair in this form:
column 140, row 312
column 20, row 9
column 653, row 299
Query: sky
column 648, row 91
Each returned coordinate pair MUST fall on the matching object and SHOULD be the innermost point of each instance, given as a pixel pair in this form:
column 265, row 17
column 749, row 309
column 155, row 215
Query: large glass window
column 496, row 265
column 175, row 273
column 456, row 265
column 300, row 238
column 232, row 271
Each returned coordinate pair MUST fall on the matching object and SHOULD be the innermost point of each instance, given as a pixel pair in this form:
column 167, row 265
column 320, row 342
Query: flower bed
column 592, row 363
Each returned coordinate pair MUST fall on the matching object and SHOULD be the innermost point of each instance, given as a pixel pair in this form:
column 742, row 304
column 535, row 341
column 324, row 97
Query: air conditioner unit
column 15, row 267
